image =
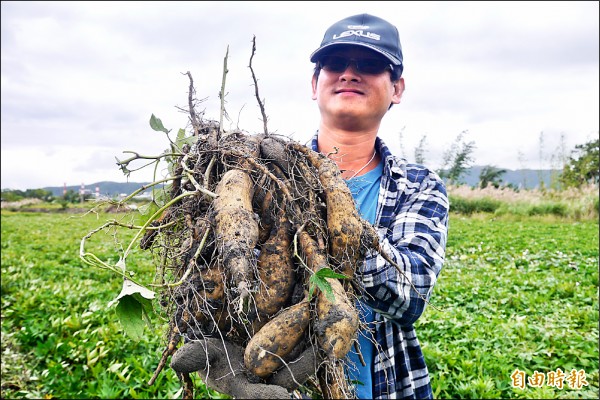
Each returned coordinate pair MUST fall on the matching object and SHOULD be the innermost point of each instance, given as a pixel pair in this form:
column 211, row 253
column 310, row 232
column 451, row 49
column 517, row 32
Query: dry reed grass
column 531, row 196
column 579, row 203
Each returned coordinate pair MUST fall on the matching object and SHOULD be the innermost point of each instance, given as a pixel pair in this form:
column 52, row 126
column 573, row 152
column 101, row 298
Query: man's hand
column 220, row 364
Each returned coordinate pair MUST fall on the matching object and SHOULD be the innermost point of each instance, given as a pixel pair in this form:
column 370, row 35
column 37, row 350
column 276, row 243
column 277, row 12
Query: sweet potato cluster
column 237, row 256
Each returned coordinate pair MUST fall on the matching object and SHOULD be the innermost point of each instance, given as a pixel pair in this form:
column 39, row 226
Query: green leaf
column 148, row 209
column 324, row 287
column 129, row 312
column 176, row 147
column 180, row 137
column 147, row 308
column 134, row 307
column 319, row 280
column 130, row 288
column 329, row 273
column 157, row 125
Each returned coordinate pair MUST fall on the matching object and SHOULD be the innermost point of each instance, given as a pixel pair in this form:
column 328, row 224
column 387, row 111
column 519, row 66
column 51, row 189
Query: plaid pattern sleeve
column 412, row 223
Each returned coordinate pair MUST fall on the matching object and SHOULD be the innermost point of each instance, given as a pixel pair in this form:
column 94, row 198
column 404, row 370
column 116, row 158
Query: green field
column 516, row 295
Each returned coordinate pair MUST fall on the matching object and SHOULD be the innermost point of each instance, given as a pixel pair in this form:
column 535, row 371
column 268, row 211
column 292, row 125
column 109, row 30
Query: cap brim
column 323, row 49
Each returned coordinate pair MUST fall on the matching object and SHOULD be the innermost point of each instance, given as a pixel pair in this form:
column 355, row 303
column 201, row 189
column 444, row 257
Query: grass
column 59, row 339
column 517, row 292
column 574, row 203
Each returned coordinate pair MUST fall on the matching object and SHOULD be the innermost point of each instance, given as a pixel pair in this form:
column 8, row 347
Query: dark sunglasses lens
column 335, row 64
column 366, row 65
column 372, row 66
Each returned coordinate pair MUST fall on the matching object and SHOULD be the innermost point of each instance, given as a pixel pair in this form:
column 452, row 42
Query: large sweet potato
column 275, row 270
column 337, row 321
column 236, row 230
column 270, row 347
column 344, row 225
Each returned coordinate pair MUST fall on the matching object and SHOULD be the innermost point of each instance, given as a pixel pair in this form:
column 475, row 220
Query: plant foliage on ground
column 516, row 293
column 59, row 336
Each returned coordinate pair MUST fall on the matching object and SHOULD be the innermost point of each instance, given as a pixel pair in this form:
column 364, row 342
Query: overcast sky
column 80, row 80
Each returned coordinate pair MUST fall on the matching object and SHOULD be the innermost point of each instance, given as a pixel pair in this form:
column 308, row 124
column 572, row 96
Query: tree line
column 579, row 168
column 70, row 196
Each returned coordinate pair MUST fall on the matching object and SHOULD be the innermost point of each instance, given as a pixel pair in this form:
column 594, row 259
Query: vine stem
column 138, row 156
column 141, row 189
column 119, row 268
column 153, row 217
column 222, row 94
column 93, row 260
column 260, row 103
column 190, row 174
column 189, row 270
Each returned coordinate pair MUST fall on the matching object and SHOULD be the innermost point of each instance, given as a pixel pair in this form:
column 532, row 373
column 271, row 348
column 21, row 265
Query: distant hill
column 109, row 189
column 524, row 178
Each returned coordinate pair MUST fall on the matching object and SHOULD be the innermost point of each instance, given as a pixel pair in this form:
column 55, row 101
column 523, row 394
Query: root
column 249, row 223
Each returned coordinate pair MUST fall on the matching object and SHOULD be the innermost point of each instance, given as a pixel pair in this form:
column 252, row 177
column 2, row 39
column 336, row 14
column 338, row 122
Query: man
column 356, row 80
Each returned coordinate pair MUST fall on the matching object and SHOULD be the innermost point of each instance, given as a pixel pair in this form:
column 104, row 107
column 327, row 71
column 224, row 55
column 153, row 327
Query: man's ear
column 398, row 90
column 314, row 86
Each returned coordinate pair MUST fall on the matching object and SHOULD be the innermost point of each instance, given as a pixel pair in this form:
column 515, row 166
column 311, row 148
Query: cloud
column 81, row 79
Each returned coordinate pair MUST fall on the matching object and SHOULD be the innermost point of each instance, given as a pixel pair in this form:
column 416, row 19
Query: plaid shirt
column 412, row 223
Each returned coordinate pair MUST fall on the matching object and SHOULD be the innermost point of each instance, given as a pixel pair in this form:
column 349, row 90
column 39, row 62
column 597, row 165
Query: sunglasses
column 370, row 66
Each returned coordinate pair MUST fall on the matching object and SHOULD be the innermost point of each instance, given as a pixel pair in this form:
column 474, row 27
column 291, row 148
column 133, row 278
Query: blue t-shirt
column 365, row 190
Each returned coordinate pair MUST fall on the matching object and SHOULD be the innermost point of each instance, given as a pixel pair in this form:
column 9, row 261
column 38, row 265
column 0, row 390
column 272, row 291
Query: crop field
column 514, row 313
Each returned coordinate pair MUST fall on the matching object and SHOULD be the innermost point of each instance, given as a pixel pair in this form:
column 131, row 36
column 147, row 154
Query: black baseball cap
column 363, row 30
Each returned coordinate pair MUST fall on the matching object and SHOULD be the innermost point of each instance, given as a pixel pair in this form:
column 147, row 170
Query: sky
column 80, row 80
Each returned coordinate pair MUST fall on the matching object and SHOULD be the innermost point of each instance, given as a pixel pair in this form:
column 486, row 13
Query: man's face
column 351, row 99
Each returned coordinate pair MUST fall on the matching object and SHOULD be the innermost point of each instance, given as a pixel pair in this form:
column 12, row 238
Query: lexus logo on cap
column 360, row 32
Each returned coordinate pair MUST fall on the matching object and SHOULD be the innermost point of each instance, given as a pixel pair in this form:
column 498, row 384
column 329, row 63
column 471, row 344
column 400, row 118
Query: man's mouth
column 348, row 90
